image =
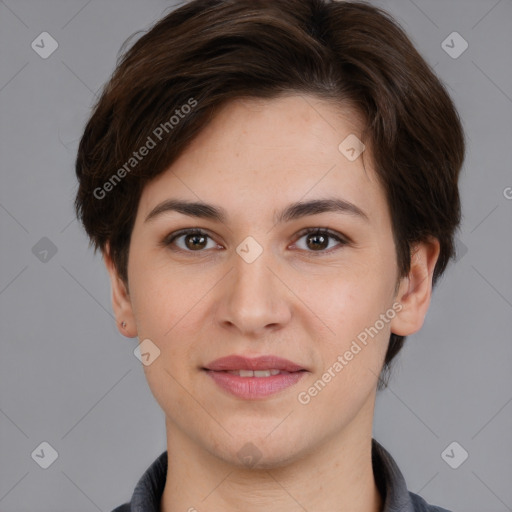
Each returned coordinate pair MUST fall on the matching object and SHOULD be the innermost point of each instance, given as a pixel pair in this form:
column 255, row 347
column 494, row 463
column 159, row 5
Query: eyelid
column 169, row 239
column 339, row 237
column 321, row 230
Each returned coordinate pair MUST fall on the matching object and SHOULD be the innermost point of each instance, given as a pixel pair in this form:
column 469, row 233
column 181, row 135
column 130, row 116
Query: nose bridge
column 251, row 270
column 256, row 297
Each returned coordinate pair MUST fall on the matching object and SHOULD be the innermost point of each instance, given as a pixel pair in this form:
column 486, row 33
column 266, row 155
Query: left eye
column 317, row 240
column 195, row 239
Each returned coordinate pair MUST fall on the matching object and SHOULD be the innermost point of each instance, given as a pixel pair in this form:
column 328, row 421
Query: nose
column 254, row 299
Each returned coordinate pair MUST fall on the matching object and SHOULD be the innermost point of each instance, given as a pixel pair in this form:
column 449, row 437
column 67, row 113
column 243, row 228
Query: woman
column 273, row 187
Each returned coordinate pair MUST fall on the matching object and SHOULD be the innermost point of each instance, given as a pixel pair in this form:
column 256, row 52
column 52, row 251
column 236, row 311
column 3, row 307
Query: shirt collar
column 389, row 480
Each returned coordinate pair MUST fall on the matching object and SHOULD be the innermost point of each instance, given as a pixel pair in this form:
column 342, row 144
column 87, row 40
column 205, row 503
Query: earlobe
column 415, row 289
column 120, row 298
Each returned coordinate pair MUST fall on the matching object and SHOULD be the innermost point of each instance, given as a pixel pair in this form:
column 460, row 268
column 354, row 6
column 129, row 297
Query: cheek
column 351, row 358
column 357, row 308
column 169, row 306
column 162, row 295
column 166, row 305
column 351, row 300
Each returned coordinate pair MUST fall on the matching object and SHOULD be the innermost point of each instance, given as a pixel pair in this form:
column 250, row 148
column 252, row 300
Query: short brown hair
column 209, row 52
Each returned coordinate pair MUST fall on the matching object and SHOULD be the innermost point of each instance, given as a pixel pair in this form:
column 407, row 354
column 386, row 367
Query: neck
column 335, row 476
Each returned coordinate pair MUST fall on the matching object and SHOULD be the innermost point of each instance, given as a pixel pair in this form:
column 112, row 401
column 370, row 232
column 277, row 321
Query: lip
column 236, row 362
column 250, row 388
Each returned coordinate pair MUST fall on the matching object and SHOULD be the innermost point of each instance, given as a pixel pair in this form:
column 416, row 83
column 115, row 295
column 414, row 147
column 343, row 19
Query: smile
column 255, row 373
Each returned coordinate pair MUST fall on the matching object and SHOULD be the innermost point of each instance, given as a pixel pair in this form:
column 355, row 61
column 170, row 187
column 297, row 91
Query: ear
column 121, row 303
column 415, row 289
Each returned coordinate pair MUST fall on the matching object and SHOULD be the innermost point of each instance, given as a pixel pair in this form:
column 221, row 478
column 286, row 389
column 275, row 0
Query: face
column 315, row 286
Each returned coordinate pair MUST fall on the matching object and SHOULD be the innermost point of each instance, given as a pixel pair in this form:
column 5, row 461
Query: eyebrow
column 293, row 211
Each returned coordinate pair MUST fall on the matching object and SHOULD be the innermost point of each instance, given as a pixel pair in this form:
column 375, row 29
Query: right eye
column 194, row 240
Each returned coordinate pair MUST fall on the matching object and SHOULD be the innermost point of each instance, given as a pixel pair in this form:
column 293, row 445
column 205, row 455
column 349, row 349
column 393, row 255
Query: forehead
column 256, row 154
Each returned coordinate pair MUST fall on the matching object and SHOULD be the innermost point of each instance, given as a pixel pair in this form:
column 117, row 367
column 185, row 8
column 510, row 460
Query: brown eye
column 193, row 240
column 318, row 240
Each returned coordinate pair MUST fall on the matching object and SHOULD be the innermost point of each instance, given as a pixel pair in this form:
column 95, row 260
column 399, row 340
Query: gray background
column 70, row 379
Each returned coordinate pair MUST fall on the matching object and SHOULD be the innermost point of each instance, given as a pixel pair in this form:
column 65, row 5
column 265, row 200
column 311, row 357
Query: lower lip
column 254, row 387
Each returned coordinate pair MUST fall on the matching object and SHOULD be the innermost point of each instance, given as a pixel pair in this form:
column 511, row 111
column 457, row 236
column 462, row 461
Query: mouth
column 258, row 373
column 266, row 363
column 253, row 378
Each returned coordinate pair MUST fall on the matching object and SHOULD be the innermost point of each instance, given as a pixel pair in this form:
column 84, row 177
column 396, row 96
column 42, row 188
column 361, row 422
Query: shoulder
column 123, row 508
column 420, row 505
column 148, row 491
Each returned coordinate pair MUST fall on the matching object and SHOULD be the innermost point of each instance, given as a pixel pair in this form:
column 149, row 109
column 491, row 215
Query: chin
column 260, row 451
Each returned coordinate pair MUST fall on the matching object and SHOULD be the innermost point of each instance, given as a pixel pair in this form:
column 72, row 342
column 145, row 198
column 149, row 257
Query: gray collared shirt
column 389, row 480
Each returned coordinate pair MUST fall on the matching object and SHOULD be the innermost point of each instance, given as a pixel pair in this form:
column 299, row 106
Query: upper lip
column 266, row 362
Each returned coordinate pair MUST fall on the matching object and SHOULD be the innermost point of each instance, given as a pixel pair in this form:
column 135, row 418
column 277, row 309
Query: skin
column 302, row 301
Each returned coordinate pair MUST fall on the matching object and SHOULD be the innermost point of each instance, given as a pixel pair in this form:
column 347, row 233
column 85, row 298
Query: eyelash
column 169, row 240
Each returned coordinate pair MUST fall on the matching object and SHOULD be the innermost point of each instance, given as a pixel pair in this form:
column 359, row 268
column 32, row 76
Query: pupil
column 310, row 238
column 193, row 244
column 317, row 236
